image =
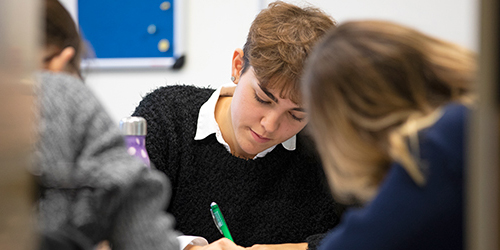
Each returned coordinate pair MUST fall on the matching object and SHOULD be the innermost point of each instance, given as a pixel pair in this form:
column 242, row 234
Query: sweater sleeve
column 141, row 222
column 116, row 197
column 313, row 241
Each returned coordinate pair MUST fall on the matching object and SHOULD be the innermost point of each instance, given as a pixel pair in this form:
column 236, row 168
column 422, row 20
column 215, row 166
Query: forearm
column 285, row 246
column 141, row 222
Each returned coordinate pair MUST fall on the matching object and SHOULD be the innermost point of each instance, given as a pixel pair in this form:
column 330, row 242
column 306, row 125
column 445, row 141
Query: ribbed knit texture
column 89, row 179
column 280, row 198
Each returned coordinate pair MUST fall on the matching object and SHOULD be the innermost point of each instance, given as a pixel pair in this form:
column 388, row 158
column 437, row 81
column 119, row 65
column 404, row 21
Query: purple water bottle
column 134, row 129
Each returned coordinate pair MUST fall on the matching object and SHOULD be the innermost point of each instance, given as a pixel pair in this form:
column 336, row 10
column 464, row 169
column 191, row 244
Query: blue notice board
column 132, row 33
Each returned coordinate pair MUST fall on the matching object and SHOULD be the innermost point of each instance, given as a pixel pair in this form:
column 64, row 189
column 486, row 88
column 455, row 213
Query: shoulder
column 61, row 83
column 172, row 103
column 452, row 120
column 448, row 132
column 176, row 94
column 443, row 144
column 306, row 147
column 66, row 92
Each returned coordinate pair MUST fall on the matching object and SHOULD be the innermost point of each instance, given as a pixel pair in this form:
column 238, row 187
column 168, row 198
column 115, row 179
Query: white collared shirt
column 207, row 124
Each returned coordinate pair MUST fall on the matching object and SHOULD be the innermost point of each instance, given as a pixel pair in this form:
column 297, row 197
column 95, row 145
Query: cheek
column 244, row 115
column 238, row 113
column 293, row 129
column 243, row 106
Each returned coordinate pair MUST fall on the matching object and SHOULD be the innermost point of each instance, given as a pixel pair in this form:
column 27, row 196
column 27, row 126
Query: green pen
column 219, row 221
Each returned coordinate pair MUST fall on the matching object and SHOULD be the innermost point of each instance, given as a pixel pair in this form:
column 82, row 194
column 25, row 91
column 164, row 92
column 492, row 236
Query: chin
column 251, row 151
column 255, row 151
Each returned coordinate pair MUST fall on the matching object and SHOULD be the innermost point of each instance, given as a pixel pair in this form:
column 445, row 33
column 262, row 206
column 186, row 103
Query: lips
column 259, row 138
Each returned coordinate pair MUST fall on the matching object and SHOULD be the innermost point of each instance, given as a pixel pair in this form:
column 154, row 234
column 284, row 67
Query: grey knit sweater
column 89, row 179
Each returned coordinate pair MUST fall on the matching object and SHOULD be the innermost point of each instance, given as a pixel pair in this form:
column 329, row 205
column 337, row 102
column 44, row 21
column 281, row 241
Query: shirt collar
column 207, row 125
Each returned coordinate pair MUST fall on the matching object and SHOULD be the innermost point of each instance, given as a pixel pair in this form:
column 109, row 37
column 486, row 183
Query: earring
column 233, row 78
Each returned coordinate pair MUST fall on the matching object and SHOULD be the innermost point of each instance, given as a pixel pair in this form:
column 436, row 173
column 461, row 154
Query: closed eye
column 295, row 117
column 260, row 100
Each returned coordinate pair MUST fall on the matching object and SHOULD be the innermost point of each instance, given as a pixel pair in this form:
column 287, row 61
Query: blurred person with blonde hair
column 388, row 109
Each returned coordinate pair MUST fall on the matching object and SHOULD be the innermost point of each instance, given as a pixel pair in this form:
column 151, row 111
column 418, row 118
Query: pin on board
column 132, row 34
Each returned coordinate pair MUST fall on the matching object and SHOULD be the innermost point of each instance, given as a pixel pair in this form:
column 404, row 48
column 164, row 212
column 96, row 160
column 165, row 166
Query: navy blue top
column 406, row 216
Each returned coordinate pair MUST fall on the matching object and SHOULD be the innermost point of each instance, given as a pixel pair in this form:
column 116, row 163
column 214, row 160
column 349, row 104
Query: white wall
column 453, row 20
column 215, row 28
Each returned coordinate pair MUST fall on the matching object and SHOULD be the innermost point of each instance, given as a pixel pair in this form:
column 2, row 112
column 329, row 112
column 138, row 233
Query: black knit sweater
column 280, row 198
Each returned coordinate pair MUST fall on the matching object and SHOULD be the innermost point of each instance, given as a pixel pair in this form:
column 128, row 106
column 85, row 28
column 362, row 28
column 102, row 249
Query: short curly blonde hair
column 279, row 40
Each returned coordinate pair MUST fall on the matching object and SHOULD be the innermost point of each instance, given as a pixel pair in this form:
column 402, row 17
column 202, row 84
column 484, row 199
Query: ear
column 59, row 62
column 237, row 64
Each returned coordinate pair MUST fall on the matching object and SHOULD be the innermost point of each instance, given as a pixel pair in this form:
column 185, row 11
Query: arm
column 286, row 246
column 221, row 244
column 139, row 221
column 120, row 199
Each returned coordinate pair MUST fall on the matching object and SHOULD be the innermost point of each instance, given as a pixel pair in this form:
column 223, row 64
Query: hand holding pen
column 225, row 243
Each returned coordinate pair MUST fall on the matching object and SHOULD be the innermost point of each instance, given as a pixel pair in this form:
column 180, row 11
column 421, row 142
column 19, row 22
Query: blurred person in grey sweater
column 91, row 189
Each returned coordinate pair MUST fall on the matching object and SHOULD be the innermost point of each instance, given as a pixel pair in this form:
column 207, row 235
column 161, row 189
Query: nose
column 271, row 121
